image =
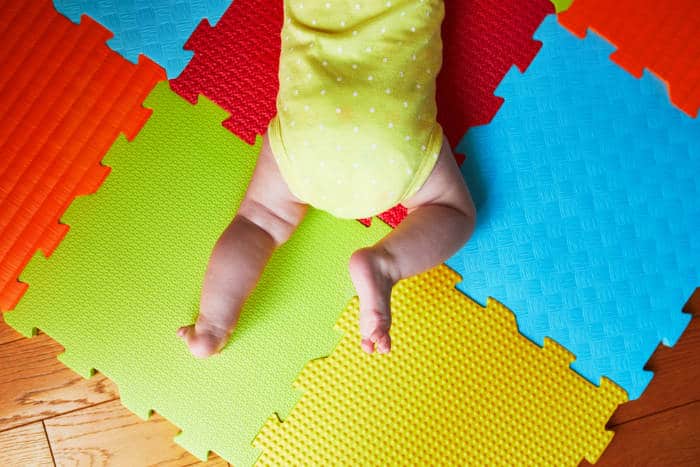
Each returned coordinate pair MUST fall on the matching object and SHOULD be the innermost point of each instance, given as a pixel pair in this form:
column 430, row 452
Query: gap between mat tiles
column 10, row 342
column 60, row 414
column 48, row 441
column 652, row 413
column 4, row 324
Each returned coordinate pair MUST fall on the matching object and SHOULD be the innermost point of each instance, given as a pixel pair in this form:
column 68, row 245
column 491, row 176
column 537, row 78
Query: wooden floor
column 51, row 416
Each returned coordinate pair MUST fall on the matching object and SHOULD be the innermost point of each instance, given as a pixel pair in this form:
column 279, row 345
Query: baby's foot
column 369, row 270
column 203, row 339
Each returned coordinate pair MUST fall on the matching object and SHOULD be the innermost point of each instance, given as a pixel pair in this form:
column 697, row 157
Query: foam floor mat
column 155, row 28
column 65, row 98
column 129, row 274
column 460, row 386
column 659, row 36
column 586, row 188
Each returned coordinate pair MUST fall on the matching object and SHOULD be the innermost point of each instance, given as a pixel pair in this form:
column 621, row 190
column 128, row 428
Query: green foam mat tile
column 129, row 274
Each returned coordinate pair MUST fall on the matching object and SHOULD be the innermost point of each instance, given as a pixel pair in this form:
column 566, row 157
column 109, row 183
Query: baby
column 355, row 134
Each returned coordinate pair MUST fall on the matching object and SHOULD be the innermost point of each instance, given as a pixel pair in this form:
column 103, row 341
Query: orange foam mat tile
column 65, row 96
column 461, row 386
column 663, row 37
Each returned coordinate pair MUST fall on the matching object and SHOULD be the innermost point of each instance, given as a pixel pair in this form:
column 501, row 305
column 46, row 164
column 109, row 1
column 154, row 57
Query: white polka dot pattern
column 357, row 93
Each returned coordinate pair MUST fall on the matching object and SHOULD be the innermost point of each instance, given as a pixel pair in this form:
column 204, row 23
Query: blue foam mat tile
column 155, row 28
column 586, row 185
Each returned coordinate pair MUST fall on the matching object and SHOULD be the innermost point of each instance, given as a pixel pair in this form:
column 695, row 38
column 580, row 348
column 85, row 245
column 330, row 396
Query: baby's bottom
column 440, row 220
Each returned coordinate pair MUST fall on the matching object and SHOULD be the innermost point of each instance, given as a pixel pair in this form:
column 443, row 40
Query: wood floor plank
column 25, row 446
column 670, row 438
column 34, row 385
column 676, row 370
column 7, row 334
column 108, row 434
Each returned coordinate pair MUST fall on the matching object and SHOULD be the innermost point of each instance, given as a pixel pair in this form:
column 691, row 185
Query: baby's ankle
column 380, row 260
column 387, row 263
column 211, row 327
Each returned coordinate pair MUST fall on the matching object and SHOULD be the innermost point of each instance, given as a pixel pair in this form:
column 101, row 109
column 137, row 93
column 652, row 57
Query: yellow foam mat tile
column 460, row 386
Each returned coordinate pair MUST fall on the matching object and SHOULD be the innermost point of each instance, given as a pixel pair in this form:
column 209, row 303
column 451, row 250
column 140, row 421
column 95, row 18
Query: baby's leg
column 441, row 218
column 267, row 216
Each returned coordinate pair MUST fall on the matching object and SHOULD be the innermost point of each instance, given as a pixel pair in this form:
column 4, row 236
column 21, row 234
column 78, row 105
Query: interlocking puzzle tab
column 155, row 28
column 482, row 39
column 460, row 386
column 589, row 214
column 235, row 64
column 659, row 36
column 66, row 97
column 129, row 274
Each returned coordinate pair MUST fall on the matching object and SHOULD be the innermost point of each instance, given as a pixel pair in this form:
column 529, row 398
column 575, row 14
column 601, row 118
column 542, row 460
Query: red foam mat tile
column 235, row 64
column 663, row 37
column 65, row 98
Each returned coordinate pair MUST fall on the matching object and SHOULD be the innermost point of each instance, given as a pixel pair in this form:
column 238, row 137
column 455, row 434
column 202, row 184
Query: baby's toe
column 201, row 344
column 379, row 338
column 384, row 343
column 184, row 330
column 368, row 345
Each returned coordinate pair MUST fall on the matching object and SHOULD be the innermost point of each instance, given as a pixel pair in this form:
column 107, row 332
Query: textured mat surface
column 155, row 28
column 661, row 37
column 65, row 97
column 460, row 386
column 235, row 64
column 588, row 209
column 117, row 288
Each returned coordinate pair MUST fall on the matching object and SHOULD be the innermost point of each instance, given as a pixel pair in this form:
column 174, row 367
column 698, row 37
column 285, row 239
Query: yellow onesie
column 356, row 131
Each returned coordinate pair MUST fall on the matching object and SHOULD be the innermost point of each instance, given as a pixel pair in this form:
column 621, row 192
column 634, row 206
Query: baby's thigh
column 268, row 198
column 444, row 185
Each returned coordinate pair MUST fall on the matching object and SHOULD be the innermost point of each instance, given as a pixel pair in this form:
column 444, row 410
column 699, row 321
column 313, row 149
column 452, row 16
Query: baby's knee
column 268, row 219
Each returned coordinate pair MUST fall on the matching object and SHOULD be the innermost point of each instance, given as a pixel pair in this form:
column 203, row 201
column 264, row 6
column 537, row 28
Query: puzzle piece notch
column 502, row 384
column 200, row 33
column 648, row 36
column 83, row 95
column 552, row 228
column 193, row 444
column 156, row 29
column 76, row 362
